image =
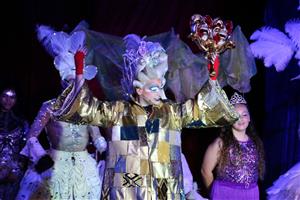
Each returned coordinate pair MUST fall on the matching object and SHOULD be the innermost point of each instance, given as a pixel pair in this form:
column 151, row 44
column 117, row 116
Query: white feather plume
column 44, row 34
column 273, row 46
column 292, row 27
column 62, row 46
column 77, row 40
column 277, row 48
column 271, row 34
column 90, row 72
column 60, row 43
column 65, row 64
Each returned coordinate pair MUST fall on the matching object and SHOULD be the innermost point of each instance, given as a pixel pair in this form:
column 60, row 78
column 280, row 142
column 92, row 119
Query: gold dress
column 144, row 148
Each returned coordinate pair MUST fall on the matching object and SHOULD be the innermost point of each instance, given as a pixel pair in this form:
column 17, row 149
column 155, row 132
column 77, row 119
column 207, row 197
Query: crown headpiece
column 237, row 99
column 142, row 61
column 9, row 92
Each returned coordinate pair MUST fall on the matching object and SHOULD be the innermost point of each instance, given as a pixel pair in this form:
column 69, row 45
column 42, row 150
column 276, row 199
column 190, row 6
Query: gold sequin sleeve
column 210, row 108
column 83, row 108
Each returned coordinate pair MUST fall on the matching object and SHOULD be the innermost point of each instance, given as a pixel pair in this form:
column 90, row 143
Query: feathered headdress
column 143, row 61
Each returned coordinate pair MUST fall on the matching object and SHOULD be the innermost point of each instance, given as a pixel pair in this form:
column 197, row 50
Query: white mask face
column 150, row 93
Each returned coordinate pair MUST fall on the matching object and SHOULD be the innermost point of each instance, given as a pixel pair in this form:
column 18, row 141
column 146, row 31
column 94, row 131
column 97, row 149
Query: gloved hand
column 79, row 60
column 43, row 164
column 101, row 144
column 213, row 67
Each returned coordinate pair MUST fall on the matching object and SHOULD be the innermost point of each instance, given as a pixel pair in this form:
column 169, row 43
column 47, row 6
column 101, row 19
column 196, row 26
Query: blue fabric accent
column 120, row 166
column 197, row 123
column 175, row 152
column 129, row 133
column 152, row 126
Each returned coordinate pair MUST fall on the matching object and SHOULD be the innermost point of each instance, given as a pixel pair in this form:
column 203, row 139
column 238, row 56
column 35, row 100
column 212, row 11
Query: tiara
column 237, row 99
column 9, row 92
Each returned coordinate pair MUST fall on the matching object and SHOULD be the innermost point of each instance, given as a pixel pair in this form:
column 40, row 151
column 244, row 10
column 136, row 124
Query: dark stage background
column 273, row 100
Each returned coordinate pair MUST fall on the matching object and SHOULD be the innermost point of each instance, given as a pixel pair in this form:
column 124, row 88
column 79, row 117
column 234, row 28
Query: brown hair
column 228, row 140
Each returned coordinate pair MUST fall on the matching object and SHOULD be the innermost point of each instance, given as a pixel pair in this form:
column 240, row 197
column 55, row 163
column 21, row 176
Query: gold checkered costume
column 144, row 153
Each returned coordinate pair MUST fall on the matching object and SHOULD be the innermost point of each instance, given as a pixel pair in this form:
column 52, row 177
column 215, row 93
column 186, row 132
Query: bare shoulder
column 217, row 143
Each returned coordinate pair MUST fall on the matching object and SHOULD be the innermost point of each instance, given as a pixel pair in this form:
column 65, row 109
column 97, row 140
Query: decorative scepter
column 213, row 37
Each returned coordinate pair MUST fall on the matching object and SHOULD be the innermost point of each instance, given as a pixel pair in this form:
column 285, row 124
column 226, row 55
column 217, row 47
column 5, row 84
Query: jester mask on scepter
column 213, row 37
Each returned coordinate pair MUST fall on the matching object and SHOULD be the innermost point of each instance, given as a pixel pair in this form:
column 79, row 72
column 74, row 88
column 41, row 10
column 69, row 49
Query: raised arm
column 77, row 103
column 33, row 149
column 210, row 108
column 79, row 64
column 210, row 161
column 40, row 120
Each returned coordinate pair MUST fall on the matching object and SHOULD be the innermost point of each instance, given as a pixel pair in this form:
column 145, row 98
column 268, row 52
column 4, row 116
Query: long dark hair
column 229, row 140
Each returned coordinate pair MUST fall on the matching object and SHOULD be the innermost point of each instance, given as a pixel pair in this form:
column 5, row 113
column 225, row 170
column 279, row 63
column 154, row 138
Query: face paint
column 150, row 93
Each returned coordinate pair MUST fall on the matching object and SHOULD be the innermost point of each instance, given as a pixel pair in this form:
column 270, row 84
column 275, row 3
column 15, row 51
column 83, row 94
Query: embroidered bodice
column 241, row 168
column 66, row 136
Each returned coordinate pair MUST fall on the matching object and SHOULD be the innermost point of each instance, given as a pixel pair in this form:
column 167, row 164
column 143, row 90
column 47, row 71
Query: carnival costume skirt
column 74, row 176
column 230, row 191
